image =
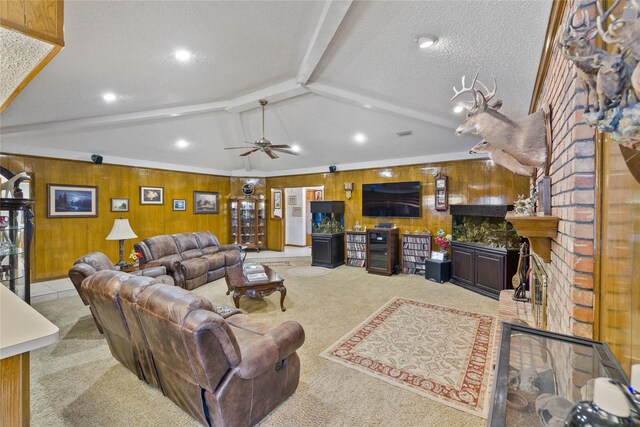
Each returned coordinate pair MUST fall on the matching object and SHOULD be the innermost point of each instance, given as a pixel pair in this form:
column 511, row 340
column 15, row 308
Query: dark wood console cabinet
column 481, row 269
column 382, row 251
column 327, row 250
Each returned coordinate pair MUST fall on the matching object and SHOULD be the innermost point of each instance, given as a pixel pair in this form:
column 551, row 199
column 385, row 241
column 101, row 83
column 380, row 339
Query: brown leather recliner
column 220, row 366
column 91, row 263
column 193, row 259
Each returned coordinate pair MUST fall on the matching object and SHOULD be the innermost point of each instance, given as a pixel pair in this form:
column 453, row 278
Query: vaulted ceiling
column 329, row 69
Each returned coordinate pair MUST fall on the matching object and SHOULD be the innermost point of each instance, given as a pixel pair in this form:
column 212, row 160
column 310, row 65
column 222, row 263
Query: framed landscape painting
column 71, row 201
column 151, row 195
column 179, row 205
column 119, row 205
column 205, row 202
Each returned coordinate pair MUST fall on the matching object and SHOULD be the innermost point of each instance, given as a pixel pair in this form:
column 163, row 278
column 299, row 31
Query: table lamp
column 121, row 231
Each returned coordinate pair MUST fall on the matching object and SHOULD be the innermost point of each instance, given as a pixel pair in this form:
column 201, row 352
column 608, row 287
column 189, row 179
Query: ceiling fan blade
column 249, row 152
column 271, row 154
column 281, row 150
column 237, row 148
column 280, row 146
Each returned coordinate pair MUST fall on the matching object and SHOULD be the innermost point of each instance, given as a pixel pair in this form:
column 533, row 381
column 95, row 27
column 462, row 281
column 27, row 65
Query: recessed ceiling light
column 182, row 143
column 295, row 148
column 426, row 41
column 182, row 55
column 458, row 109
column 360, row 138
column 109, row 97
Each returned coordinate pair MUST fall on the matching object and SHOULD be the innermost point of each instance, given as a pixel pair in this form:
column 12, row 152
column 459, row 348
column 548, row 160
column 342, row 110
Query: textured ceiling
column 372, row 78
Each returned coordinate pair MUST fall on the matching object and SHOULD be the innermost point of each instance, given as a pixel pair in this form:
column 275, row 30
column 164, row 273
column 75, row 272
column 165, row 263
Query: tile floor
column 62, row 288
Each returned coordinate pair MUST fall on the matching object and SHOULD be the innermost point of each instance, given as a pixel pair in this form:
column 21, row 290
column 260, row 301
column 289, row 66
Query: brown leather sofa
column 193, row 259
column 217, row 364
column 91, row 263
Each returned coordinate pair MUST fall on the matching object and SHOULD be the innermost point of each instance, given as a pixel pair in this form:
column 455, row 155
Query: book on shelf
column 256, row 277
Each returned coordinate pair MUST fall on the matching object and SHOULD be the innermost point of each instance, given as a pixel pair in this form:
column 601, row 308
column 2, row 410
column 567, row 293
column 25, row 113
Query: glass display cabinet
column 327, row 233
column 16, row 232
column 249, row 222
column 484, row 249
column 541, row 375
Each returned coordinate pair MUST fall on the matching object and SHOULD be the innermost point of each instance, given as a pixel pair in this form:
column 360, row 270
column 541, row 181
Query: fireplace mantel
column 538, row 229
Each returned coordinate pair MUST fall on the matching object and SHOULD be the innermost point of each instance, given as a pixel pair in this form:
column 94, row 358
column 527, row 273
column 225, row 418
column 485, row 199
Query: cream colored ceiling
column 372, row 78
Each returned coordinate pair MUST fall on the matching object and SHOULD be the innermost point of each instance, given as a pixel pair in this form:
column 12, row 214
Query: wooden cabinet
column 356, row 248
column 248, row 222
column 37, row 24
column 327, row 250
column 382, row 251
column 484, row 270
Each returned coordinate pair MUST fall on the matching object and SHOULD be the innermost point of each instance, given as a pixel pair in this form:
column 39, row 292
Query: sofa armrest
column 288, row 337
column 174, row 268
column 160, row 270
column 229, row 247
column 77, row 273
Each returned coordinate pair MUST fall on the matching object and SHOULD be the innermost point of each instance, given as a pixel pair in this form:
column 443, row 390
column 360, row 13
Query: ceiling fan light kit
column 263, row 144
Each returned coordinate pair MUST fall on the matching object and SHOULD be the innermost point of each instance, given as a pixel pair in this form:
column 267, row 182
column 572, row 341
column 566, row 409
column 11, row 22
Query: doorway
column 297, row 230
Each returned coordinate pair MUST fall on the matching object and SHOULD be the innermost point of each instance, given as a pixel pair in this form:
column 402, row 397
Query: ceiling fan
column 263, row 144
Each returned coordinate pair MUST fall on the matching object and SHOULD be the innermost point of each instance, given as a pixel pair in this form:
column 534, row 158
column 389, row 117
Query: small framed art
column 151, row 195
column 71, row 201
column 292, row 200
column 119, row 205
column 441, row 196
column 205, row 202
column 179, row 205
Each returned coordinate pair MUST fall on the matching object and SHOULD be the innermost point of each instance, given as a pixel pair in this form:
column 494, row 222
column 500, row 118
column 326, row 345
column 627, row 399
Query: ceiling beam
column 377, row 104
column 278, row 92
column 115, row 119
column 330, row 19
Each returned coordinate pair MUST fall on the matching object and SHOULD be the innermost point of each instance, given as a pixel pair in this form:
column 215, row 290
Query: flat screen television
column 391, row 199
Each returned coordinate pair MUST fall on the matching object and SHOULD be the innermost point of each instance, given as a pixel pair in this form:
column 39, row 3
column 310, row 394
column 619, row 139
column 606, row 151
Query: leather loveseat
column 193, row 259
column 91, row 263
column 217, row 364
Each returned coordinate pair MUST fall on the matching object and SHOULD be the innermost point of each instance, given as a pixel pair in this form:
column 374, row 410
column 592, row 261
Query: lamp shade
column 121, row 230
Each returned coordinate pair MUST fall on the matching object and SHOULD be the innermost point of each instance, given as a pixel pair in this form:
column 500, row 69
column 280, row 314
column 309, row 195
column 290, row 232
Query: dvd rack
column 356, row 245
column 416, row 248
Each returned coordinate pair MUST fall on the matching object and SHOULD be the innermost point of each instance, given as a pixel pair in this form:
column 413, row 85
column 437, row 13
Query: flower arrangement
column 443, row 240
column 135, row 256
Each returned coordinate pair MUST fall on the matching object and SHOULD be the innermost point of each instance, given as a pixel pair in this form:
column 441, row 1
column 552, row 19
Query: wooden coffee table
column 238, row 283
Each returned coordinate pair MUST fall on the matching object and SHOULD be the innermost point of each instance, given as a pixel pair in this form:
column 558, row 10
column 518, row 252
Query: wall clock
column 248, row 189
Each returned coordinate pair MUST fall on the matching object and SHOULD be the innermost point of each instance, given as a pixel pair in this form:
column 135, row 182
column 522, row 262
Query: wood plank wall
column 58, row 242
column 470, row 182
column 619, row 257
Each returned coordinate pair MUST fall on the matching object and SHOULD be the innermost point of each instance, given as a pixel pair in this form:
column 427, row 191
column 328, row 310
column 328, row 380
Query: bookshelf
column 416, row 248
column 356, row 248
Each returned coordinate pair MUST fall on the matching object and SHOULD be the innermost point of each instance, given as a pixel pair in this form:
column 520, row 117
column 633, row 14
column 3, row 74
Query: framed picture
column 179, row 205
column 71, row 201
column 276, row 196
column 441, row 196
column 151, row 195
column 205, row 202
column 119, row 205
column 296, row 211
column 292, row 201
column 317, row 195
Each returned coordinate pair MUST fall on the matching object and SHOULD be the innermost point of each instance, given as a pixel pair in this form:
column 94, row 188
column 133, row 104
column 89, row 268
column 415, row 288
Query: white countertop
column 22, row 328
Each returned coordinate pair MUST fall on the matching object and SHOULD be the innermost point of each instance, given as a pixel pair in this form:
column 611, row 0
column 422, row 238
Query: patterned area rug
column 308, row 271
column 438, row 352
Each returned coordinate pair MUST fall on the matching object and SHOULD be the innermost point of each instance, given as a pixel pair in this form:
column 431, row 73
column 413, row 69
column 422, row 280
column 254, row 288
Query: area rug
column 440, row 353
column 308, row 271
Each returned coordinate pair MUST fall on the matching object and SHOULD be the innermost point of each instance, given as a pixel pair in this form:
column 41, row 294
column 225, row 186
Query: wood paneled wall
column 58, row 242
column 619, row 289
column 470, row 182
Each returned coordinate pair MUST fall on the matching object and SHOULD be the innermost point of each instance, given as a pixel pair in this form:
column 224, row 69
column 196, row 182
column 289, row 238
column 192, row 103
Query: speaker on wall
column 332, row 168
column 96, row 158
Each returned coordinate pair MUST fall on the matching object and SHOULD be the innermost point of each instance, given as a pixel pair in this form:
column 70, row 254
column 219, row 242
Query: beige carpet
column 76, row 382
column 437, row 352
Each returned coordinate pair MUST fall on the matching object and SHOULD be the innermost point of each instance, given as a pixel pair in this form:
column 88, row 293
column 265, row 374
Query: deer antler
column 466, row 89
column 606, row 35
column 490, row 94
column 608, row 13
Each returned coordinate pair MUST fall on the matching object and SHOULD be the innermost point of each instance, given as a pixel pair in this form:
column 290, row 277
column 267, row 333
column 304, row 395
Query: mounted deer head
column 524, row 138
